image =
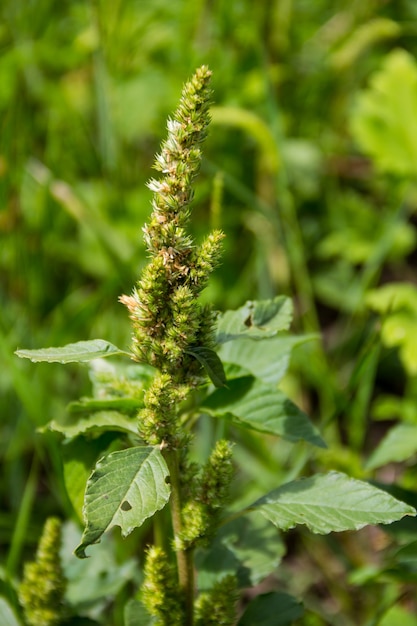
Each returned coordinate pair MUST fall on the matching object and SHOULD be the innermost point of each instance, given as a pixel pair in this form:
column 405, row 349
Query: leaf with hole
column 125, row 488
column 255, row 320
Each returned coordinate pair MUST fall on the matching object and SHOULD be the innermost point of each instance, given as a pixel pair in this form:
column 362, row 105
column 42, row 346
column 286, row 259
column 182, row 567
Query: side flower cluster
column 208, row 493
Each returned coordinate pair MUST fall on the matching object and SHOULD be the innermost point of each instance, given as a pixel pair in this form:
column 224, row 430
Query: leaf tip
column 80, row 552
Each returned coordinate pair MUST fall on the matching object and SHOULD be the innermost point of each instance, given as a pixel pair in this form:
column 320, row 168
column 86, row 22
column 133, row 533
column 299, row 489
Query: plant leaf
column 248, row 547
column 399, row 445
column 277, row 608
column 256, row 320
column 211, row 363
column 330, row 502
column 79, row 352
column 264, row 408
column 95, row 424
column 383, row 121
column 268, row 360
column 125, row 488
column 78, row 457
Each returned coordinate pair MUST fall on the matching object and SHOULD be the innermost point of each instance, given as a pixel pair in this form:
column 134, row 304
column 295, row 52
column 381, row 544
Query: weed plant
column 309, row 169
column 194, row 560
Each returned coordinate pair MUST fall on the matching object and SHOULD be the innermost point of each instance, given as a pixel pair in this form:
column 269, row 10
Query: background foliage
column 310, row 170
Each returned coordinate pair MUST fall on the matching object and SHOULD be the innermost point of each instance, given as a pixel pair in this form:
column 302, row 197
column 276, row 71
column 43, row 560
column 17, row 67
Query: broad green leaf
column 399, row 445
column 248, row 547
column 267, row 360
column 79, row 456
column 277, row 608
column 255, row 320
column 125, row 488
column 264, row 408
column 94, row 424
column 79, row 352
column 211, row 363
column 384, row 121
column 7, row 615
column 330, row 502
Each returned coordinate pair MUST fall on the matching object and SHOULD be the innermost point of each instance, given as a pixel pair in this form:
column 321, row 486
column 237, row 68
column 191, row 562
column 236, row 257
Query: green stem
column 22, row 521
column 184, row 557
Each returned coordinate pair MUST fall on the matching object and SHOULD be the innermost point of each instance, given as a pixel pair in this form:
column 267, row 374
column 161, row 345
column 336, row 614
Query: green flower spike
column 168, row 321
column 217, row 607
column 217, row 475
column 42, row 589
column 208, row 495
column 164, row 309
column 160, row 593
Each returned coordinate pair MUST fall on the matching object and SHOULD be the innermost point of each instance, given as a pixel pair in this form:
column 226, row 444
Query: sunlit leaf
column 125, row 488
column 330, row 502
column 79, row 352
column 399, row 445
column 277, row 608
column 252, row 404
column 384, row 121
column 255, row 320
